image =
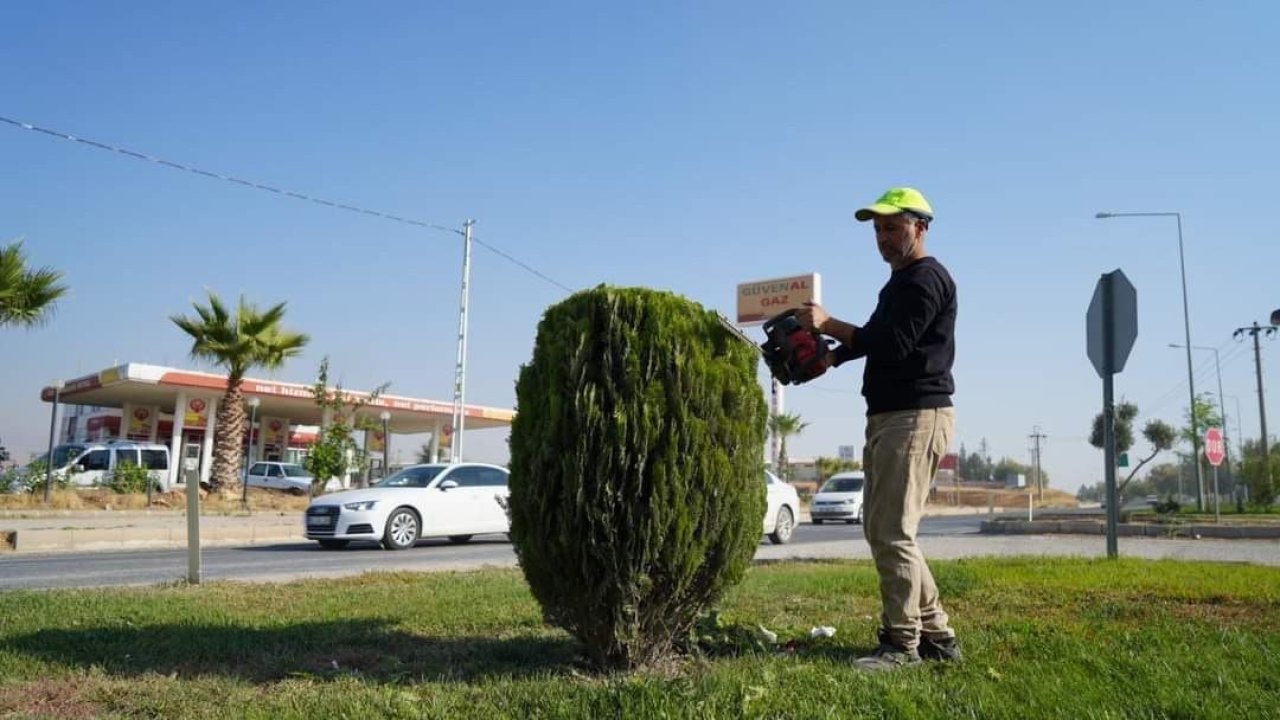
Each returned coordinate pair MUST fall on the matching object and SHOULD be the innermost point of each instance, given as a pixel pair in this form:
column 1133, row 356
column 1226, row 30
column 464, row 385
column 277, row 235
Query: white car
column 783, row 509
column 839, row 498
column 280, row 476
column 436, row 500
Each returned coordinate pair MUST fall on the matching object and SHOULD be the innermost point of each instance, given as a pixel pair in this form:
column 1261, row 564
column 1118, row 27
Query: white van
column 92, row 463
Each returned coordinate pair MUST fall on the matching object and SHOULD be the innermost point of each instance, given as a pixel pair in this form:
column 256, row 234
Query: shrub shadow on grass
column 364, row 648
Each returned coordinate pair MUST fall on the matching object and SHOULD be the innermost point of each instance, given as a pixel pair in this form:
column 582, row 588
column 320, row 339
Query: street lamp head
column 385, row 416
column 1103, row 215
column 1275, row 318
column 58, row 385
column 255, row 402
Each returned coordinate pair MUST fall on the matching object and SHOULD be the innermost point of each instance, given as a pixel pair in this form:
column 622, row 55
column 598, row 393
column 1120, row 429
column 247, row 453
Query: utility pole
column 1036, row 437
column 1255, row 330
column 460, row 372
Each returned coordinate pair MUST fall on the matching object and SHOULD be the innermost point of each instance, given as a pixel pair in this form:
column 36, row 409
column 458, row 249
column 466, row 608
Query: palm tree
column 27, row 297
column 828, row 466
column 783, row 426
column 237, row 342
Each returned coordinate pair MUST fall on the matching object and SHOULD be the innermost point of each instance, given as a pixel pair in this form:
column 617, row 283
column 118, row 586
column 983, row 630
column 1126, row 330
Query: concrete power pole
column 1255, row 330
column 1036, row 437
column 460, row 371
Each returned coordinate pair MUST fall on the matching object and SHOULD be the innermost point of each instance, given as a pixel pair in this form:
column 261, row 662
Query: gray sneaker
column 887, row 657
column 941, row 649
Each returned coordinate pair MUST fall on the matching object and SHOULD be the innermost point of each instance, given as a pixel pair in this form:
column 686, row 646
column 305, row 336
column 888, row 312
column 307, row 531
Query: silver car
column 289, row 477
column 840, row 499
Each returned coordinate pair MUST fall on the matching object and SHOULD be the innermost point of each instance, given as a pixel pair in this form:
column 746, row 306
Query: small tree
column 128, row 479
column 1009, row 468
column 1258, row 475
column 1206, row 416
column 1158, row 433
column 335, row 452
column 976, row 466
column 637, row 488
column 783, row 426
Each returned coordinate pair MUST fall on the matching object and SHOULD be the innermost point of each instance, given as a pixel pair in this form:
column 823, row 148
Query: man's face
column 898, row 236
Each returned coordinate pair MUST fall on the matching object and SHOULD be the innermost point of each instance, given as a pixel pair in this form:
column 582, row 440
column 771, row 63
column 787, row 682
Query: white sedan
column 783, row 509
column 438, row 500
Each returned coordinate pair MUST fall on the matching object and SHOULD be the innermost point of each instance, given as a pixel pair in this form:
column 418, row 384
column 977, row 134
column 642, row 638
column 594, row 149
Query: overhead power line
column 278, row 191
column 1205, row 371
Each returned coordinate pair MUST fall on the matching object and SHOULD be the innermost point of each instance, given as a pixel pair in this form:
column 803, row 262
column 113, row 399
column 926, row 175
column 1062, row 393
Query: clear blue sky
column 684, row 146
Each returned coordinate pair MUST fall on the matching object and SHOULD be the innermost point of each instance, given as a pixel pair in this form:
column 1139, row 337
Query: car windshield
column 420, row 476
column 294, row 471
column 843, row 484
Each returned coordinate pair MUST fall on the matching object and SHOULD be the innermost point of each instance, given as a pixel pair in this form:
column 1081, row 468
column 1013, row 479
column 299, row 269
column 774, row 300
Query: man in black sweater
column 909, row 346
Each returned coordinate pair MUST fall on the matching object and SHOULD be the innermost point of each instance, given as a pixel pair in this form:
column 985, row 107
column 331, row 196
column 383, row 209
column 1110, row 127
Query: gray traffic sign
column 1112, row 322
column 1112, row 325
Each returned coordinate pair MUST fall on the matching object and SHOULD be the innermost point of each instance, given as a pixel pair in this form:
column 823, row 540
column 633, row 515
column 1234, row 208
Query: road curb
column 49, row 540
column 1090, row 527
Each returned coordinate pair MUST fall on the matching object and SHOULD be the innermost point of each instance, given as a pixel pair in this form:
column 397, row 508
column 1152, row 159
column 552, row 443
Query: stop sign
column 1215, row 450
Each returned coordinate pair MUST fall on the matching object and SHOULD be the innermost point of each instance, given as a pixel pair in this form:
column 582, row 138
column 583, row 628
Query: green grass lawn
column 1044, row 638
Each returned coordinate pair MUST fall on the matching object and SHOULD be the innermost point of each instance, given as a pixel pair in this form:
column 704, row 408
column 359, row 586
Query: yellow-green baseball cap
column 894, row 201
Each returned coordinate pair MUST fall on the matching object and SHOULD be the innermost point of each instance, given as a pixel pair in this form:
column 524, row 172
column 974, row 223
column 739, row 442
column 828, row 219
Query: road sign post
column 1215, row 451
column 1111, row 328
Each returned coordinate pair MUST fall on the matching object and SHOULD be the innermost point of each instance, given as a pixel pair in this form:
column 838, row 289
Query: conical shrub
column 637, row 478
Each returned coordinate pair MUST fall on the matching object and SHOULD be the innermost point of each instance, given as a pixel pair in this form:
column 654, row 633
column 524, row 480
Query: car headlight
column 362, row 505
column 848, row 502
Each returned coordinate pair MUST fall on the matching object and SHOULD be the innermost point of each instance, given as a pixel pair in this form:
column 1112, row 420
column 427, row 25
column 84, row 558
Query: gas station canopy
column 165, row 388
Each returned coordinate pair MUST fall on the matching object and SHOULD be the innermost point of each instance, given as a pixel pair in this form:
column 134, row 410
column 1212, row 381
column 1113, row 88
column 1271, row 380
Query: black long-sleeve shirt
column 909, row 341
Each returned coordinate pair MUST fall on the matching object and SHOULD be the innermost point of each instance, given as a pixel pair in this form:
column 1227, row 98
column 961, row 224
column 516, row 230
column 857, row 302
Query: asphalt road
column 945, row 537
column 306, row 559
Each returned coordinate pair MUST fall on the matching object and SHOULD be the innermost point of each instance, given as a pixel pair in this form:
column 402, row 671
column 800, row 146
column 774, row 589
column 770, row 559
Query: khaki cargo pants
column 902, row 453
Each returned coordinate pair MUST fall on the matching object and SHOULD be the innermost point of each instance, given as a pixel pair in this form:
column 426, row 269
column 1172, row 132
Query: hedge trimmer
column 793, row 354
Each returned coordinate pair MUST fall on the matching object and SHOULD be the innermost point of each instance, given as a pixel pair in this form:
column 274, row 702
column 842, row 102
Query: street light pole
column 253, row 416
column 1222, row 402
column 1239, row 430
column 386, row 443
column 53, row 424
column 1186, row 323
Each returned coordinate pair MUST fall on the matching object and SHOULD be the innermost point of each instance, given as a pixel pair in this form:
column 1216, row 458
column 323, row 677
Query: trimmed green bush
column 637, row 471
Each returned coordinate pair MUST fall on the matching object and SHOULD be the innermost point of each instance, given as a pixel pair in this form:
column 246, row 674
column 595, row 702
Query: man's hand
column 813, row 317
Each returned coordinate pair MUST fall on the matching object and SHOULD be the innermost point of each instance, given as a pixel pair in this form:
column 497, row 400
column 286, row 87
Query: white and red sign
column 140, row 422
column 276, row 434
column 1215, row 448
column 760, row 300
column 197, row 414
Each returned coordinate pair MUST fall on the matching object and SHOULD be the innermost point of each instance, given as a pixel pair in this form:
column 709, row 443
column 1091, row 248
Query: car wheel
column 402, row 530
column 459, row 539
column 817, row 521
column 333, row 544
column 297, row 491
column 782, row 529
